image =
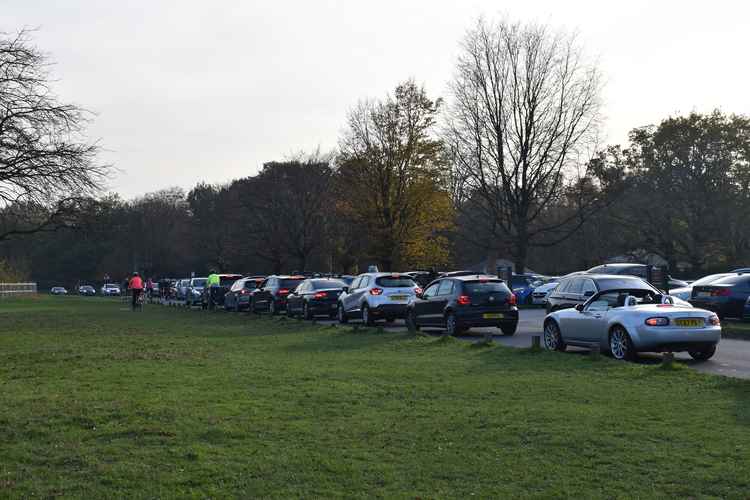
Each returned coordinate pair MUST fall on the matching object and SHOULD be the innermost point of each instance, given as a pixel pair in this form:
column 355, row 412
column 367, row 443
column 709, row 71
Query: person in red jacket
column 135, row 285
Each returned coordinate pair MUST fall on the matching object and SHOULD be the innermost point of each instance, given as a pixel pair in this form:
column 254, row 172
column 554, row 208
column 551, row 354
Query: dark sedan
column 578, row 288
column 630, row 269
column 462, row 302
column 315, row 297
column 726, row 297
column 272, row 294
column 239, row 295
column 87, row 290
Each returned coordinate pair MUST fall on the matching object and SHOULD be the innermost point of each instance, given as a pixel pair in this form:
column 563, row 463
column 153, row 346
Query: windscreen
column 322, row 284
column 395, row 282
column 291, row 284
column 623, row 284
column 478, row 287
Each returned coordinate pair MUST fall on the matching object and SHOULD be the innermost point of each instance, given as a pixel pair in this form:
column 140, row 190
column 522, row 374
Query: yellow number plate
column 689, row 323
column 493, row 316
column 399, row 297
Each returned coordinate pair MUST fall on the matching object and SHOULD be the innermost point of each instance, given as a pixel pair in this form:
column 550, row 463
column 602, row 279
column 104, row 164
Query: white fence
column 8, row 289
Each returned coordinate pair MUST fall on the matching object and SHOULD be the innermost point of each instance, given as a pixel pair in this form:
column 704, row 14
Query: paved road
column 731, row 359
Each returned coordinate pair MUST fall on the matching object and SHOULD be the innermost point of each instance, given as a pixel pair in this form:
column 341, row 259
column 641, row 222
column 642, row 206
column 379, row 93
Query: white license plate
column 399, row 298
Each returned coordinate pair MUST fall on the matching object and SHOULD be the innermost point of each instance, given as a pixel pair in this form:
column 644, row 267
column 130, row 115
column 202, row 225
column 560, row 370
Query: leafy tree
column 390, row 171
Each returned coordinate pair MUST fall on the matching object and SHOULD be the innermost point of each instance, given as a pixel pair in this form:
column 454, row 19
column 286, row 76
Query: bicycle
column 139, row 301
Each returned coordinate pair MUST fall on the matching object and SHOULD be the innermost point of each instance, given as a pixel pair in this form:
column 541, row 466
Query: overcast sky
column 188, row 91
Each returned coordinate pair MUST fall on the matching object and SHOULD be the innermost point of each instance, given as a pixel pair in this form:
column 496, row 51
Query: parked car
column 194, row 293
column 86, row 290
column 272, row 294
column 726, row 296
column 225, row 283
column 633, row 318
column 455, row 274
column 746, row 315
column 576, row 289
column 239, row 294
column 315, row 297
column 181, row 289
column 373, row 296
column 464, row 302
column 685, row 292
column 631, row 269
column 540, row 293
column 741, row 270
column 421, row 278
column 58, row 290
column 523, row 286
column 110, row 289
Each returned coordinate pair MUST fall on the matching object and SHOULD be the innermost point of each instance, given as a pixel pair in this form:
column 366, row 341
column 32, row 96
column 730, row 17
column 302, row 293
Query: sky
column 189, row 91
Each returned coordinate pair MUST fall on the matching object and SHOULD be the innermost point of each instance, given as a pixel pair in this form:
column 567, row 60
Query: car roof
column 474, row 277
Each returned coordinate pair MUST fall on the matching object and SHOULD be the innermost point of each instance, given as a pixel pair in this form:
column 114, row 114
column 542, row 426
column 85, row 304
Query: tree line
column 507, row 165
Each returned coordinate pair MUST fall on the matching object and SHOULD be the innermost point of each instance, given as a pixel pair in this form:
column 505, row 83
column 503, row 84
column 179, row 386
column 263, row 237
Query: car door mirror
column 579, row 307
column 345, row 289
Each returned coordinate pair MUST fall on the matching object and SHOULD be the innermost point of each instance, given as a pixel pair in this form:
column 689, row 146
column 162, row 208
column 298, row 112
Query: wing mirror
column 345, row 289
column 579, row 307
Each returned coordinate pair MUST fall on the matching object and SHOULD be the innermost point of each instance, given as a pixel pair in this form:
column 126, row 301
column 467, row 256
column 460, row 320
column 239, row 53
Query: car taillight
column 464, row 300
column 243, row 292
column 376, row 291
column 658, row 321
column 714, row 320
column 512, row 299
column 320, row 295
column 283, row 291
column 722, row 292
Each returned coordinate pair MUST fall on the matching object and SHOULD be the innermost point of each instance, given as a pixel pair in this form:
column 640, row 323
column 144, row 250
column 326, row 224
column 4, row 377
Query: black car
column 217, row 295
column 638, row 270
column 462, row 302
column 87, row 290
column 239, row 295
column 578, row 288
column 726, row 296
column 271, row 295
column 315, row 297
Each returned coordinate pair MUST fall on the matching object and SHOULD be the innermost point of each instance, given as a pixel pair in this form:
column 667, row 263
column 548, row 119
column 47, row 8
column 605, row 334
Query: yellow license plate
column 493, row 316
column 399, row 297
column 689, row 323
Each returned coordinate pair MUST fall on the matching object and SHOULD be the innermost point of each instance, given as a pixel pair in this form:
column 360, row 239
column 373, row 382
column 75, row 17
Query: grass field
column 98, row 402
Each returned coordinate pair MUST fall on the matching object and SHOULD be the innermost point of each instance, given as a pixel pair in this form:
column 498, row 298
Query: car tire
column 703, row 354
column 509, row 330
column 553, row 340
column 366, row 316
column 341, row 313
column 620, row 345
column 306, row 313
column 451, row 326
column 411, row 321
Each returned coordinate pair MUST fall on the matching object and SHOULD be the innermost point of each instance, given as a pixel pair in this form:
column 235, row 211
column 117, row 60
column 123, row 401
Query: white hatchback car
column 373, row 296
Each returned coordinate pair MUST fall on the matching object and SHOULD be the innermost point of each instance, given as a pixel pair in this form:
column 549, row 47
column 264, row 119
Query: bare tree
column 525, row 107
column 46, row 166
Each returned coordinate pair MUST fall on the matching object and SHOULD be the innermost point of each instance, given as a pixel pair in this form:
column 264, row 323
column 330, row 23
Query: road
column 732, row 359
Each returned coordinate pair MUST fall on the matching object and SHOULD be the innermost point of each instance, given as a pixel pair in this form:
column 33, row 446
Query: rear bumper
column 389, row 311
column 323, row 306
column 675, row 339
column 475, row 317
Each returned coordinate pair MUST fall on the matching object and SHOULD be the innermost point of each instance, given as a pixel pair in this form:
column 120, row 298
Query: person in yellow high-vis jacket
column 212, row 286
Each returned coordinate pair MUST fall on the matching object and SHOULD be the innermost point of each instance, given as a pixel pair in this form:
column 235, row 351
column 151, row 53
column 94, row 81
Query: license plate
column 689, row 323
column 493, row 316
column 399, row 298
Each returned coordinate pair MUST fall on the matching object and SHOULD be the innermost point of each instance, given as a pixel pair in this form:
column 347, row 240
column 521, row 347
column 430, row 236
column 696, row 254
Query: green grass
column 98, row 402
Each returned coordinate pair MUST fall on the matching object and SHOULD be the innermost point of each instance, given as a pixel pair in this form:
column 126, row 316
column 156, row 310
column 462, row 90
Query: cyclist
column 135, row 285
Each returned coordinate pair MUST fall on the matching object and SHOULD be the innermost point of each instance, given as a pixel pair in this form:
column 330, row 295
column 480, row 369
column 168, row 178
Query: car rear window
column 252, row 284
column 395, row 282
column 623, row 284
column 229, row 280
column 199, row 282
column 320, row 284
column 291, row 284
column 477, row 287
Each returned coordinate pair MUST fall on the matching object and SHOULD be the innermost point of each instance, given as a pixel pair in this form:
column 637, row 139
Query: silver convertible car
column 636, row 318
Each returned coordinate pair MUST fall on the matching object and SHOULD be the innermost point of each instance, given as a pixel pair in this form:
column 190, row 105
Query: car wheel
column 411, row 321
column 272, row 308
column 306, row 313
column 553, row 340
column 450, row 324
column 703, row 354
column 343, row 319
column 366, row 316
column 509, row 330
column 620, row 344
